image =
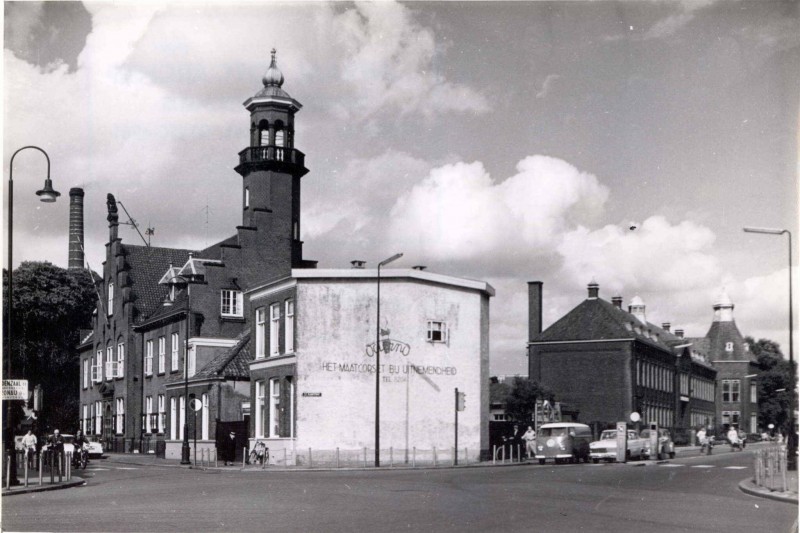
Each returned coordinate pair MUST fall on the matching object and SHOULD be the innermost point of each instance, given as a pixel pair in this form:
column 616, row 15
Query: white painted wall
column 336, row 320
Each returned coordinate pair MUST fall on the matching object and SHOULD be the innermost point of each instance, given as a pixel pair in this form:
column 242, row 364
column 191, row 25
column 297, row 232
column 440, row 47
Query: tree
column 522, row 397
column 50, row 306
column 774, row 404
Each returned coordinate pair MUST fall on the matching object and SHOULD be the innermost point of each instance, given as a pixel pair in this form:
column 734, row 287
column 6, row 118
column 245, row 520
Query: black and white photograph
column 435, row 266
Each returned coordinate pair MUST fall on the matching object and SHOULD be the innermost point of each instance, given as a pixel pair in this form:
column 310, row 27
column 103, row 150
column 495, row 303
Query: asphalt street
column 696, row 493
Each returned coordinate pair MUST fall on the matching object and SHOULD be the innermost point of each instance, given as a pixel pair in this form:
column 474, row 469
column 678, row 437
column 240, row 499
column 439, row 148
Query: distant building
column 737, row 369
column 606, row 363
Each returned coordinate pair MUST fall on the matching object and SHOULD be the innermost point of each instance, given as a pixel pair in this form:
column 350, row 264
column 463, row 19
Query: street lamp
column 791, row 448
column 378, row 365
column 189, row 279
column 48, row 195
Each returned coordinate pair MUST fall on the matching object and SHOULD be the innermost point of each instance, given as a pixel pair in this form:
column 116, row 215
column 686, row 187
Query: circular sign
column 196, row 405
column 635, row 417
column 771, row 426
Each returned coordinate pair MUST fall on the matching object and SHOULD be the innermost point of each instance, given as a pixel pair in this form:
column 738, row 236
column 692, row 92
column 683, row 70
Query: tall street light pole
column 791, row 448
column 378, row 365
column 47, row 195
column 185, row 447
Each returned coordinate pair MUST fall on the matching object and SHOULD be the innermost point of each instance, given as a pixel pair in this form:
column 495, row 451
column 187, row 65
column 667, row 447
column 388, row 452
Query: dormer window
column 728, row 346
column 231, row 304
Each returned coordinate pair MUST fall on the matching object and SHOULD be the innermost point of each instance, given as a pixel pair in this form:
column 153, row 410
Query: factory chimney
column 75, row 228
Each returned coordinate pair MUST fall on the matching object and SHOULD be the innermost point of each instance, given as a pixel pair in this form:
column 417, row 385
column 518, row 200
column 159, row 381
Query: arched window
column 263, row 133
column 279, row 138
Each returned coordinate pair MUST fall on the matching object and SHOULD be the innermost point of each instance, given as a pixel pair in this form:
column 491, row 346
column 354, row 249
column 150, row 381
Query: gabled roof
column 147, row 265
column 232, row 363
column 719, row 334
column 597, row 319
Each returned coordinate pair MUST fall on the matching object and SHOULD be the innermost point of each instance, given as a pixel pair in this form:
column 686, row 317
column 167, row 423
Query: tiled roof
column 719, row 334
column 597, row 319
column 232, row 363
column 85, row 336
column 147, row 266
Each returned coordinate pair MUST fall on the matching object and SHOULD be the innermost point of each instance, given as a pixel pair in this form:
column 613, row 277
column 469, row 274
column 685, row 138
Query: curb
column 74, row 482
column 747, row 487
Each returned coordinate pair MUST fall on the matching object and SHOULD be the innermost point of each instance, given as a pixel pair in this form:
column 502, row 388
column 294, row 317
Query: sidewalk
column 33, row 486
column 748, row 486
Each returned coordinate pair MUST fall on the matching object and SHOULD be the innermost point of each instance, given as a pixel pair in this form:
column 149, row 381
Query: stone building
column 606, row 363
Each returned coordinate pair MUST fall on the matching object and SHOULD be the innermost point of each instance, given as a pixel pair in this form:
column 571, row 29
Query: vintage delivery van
column 563, row 442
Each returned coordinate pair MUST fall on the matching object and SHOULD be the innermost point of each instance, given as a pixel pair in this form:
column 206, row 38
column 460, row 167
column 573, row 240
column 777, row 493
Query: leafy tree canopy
column 776, row 383
column 50, row 306
column 521, row 399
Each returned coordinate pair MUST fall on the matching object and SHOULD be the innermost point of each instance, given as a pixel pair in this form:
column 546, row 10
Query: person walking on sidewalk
column 227, row 449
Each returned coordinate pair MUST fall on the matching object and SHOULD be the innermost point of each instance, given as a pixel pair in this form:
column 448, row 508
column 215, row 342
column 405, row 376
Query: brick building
column 606, row 363
column 166, row 316
column 737, row 369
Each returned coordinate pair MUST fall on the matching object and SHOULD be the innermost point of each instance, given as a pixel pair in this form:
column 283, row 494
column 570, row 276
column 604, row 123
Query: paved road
column 687, row 494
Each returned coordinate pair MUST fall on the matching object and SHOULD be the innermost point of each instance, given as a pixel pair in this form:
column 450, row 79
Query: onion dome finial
column 273, row 76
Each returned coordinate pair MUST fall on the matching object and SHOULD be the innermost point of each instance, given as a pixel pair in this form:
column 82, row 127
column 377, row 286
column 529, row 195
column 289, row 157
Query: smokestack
column 617, row 301
column 534, row 309
column 75, row 257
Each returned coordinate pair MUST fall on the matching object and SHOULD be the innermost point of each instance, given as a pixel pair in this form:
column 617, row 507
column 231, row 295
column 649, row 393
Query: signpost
column 196, row 405
column 622, row 442
column 460, row 404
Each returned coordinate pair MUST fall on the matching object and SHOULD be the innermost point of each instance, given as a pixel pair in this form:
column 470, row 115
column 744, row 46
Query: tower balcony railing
column 258, row 154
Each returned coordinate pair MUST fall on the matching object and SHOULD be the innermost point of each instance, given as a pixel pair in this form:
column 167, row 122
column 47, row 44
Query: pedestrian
column 29, row 445
column 530, row 442
column 57, row 449
column 513, row 442
column 229, row 449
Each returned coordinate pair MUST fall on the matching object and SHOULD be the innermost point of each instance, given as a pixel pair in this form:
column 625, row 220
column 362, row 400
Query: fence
column 770, row 468
column 57, row 466
column 363, row 457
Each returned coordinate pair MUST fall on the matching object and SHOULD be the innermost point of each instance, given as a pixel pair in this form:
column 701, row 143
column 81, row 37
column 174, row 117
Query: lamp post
column 47, row 195
column 791, row 448
column 378, row 364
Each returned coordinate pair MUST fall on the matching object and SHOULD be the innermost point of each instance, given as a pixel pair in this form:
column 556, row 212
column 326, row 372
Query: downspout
column 141, row 400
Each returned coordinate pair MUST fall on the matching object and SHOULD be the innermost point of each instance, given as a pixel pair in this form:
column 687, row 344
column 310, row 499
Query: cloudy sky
column 506, row 142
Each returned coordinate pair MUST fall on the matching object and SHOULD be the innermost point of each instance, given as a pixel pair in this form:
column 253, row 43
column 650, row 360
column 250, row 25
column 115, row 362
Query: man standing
column 57, row 449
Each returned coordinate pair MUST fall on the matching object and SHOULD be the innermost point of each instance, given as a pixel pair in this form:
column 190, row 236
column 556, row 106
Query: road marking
column 126, row 468
column 703, row 466
column 735, row 467
column 96, row 469
column 670, row 465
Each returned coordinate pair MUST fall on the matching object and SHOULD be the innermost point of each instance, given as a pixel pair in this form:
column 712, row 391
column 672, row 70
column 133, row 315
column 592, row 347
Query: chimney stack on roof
column 594, row 290
column 617, row 301
column 534, row 309
column 358, row 263
column 665, row 326
column 679, row 333
column 75, row 256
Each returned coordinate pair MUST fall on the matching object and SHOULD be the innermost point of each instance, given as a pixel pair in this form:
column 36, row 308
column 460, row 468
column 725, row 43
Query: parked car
column 606, row 447
column 563, row 441
column 665, row 445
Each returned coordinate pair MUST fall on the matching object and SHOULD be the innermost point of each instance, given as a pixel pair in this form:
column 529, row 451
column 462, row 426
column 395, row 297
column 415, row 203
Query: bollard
column 365, row 456
column 41, row 470
column 216, row 461
column 494, row 454
column 391, row 457
column 414, row 457
column 60, row 467
column 52, row 460
column 67, row 465
column 434, row 456
column 26, row 469
column 244, row 456
column 8, row 472
column 337, row 457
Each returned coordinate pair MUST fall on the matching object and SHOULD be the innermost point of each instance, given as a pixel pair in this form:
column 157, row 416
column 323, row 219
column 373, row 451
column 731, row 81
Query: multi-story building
column 737, row 369
column 173, row 321
column 606, row 363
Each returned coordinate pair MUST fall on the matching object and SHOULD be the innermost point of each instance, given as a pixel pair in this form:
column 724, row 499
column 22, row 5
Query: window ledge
column 232, row 318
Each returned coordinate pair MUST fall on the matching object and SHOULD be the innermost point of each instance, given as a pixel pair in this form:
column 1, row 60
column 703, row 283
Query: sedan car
column 665, row 445
column 606, row 447
column 95, row 450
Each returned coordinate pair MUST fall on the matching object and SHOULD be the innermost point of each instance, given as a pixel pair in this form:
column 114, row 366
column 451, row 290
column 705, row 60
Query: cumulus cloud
column 459, row 212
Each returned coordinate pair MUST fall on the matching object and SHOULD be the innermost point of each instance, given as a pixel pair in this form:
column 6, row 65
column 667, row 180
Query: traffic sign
column 195, row 405
column 15, row 389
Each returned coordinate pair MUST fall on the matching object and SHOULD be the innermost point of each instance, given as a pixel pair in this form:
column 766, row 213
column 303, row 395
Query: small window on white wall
column 437, row 331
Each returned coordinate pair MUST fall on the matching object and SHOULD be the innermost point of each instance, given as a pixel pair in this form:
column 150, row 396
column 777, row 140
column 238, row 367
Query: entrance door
column 108, row 424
